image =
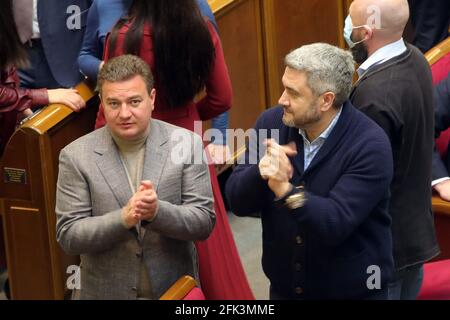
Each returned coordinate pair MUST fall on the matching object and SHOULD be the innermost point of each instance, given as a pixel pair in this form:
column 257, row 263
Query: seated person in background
column 322, row 189
column 15, row 102
column 441, row 179
column 123, row 203
column 103, row 15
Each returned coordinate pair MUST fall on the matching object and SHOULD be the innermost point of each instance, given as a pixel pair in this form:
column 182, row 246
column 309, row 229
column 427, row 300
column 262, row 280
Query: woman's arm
column 14, row 98
column 92, row 48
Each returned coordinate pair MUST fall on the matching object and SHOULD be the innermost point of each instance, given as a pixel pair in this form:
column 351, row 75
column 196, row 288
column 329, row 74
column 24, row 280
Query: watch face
column 295, row 201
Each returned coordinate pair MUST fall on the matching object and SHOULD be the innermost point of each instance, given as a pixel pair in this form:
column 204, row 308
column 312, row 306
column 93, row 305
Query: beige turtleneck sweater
column 132, row 154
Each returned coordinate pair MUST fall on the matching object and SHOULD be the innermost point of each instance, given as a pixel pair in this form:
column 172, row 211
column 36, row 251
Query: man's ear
column 153, row 98
column 368, row 33
column 327, row 100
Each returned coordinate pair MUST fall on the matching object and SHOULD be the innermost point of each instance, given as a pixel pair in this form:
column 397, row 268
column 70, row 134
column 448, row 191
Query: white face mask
column 348, row 30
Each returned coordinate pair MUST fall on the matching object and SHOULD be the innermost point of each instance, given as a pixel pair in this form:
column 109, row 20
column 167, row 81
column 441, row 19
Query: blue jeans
column 406, row 283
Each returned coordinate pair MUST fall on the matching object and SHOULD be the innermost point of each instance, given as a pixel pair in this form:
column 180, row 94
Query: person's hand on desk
column 69, row 97
column 443, row 189
column 25, row 113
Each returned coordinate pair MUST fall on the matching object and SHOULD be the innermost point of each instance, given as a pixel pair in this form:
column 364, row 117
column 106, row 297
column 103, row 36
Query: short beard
column 312, row 116
column 360, row 53
column 289, row 123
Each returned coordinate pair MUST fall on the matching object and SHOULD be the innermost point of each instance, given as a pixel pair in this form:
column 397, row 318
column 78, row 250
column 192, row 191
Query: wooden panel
column 17, row 158
column 36, row 263
column 217, row 6
column 239, row 24
column 25, row 223
column 289, row 24
column 2, row 241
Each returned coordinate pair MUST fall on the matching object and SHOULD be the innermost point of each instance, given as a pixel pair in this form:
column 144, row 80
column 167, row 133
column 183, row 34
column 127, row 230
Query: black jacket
column 398, row 95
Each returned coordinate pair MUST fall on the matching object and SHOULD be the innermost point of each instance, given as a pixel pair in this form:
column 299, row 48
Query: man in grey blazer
column 132, row 196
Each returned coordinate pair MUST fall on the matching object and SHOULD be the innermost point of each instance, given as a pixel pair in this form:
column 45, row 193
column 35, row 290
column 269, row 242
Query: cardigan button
column 298, row 267
column 299, row 290
column 299, row 240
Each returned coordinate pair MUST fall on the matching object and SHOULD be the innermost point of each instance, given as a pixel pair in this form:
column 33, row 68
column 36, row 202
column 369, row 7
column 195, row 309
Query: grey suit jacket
column 93, row 188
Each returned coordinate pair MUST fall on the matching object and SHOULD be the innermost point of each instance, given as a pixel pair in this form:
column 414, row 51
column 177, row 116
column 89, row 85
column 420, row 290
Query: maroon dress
column 221, row 272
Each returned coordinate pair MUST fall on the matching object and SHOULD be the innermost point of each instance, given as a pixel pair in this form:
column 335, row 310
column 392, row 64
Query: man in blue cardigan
column 321, row 182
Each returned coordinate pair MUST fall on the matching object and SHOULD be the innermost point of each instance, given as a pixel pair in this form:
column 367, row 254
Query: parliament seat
column 436, row 282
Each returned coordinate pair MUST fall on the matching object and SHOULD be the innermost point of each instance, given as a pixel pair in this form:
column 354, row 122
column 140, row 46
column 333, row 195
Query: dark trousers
column 376, row 295
column 38, row 74
column 430, row 20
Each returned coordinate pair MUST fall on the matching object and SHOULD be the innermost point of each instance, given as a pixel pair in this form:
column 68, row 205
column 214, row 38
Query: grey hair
column 123, row 68
column 328, row 68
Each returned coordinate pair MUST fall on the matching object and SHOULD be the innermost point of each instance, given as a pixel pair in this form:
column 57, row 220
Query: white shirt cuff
column 435, row 182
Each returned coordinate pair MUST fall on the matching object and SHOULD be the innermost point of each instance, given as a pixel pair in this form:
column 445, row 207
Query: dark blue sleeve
column 221, row 123
column 439, row 170
column 442, row 123
column 246, row 190
column 91, row 50
column 207, row 12
column 442, row 105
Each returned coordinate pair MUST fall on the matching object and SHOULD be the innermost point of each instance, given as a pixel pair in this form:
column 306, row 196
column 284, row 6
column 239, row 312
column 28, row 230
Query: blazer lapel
column 156, row 152
column 111, row 168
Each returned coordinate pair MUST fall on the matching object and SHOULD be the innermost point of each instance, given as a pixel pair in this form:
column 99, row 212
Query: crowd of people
column 342, row 183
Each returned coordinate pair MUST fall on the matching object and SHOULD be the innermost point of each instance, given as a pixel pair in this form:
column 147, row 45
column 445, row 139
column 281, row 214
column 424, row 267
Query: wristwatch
column 294, row 199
